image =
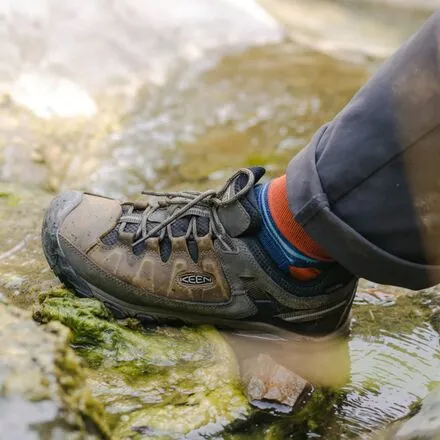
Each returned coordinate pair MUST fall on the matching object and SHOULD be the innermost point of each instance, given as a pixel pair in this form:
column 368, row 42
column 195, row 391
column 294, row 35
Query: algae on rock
column 166, row 382
column 23, row 269
column 43, row 391
column 370, row 320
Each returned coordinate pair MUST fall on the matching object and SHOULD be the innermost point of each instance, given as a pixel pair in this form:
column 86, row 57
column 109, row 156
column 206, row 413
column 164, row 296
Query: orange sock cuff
column 284, row 220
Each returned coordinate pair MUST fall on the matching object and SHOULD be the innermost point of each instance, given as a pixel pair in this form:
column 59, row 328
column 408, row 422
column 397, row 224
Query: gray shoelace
column 202, row 204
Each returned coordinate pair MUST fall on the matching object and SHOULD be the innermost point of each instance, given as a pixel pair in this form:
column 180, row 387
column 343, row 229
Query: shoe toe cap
column 80, row 218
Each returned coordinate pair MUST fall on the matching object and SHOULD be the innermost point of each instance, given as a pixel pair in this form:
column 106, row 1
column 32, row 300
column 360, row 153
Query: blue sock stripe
column 275, row 253
column 286, row 248
column 279, row 248
column 276, row 235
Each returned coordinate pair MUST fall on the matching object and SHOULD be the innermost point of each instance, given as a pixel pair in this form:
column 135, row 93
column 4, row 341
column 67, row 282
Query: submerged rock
column 269, row 384
column 164, row 383
column 425, row 424
column 43, row 391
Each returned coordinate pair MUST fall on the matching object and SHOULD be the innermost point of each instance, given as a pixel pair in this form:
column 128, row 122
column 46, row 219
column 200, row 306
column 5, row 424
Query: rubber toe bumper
column 61, row 206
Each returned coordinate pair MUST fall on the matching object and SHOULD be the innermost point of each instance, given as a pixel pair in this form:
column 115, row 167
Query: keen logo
column 192, row 279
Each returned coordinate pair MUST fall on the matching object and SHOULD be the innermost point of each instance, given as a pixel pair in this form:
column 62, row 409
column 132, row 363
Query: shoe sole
column 58, row 210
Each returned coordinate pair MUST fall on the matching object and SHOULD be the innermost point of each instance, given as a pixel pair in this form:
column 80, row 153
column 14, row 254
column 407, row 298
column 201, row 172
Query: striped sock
column 288, row 244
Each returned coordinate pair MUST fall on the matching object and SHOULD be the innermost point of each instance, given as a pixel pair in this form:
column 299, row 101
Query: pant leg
column 367, row 188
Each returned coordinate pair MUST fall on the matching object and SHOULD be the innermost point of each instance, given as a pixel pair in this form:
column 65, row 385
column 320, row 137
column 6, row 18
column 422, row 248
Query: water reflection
column 321, row 363
column 389, row 373
column 361, row 383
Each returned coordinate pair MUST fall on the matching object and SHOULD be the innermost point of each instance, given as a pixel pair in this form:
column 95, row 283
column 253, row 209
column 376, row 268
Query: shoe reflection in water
column 281, row 372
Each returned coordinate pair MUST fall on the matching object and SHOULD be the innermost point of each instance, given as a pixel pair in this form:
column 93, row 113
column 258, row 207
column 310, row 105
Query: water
column 387, row 365
column 139, row 82
column 402, row 368
column 125, row 97
column 356, row 30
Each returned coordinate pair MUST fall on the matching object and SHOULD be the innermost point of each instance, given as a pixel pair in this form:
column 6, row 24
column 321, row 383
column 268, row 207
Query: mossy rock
column 43, row 390
column 424, row 423
column 159, row 383
column 23, row 269
column 315, row 418
column 404, row 314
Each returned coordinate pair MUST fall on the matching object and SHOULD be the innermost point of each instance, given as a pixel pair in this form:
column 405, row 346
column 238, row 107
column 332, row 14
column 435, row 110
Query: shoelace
column 194, row 203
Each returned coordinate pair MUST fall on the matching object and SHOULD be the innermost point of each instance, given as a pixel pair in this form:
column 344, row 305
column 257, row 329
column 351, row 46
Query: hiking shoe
column 189, row 256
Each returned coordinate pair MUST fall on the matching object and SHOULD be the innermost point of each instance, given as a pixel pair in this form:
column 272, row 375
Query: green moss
column 23, row 268
column 44, row 380
column 10, row 198
column 71, row 377
column 319, row 413
column 433, row 385
column 173, row 381
column 210, row 411
column 371, row 319
column 317, row 417
column 369, row 385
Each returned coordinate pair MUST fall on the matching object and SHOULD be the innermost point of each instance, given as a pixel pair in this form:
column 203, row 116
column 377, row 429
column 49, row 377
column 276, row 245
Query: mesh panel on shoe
column 193, row 250
column 202, row 226
column 111, row 238
column 180, row 227
column 165, row 249
column 131, row 228
column 139, row 249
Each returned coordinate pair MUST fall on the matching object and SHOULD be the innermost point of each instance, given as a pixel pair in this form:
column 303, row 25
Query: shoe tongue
column 242, row 216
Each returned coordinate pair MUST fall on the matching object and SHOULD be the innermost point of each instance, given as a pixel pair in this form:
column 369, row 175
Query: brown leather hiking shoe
column 189, row 256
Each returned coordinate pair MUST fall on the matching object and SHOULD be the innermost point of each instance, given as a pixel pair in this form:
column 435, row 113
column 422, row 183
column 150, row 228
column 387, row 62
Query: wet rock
column 179, row 128
column 23, row 269
column 313, row 420
column 256, row 107
column 188, row 126
column 411, row 4
column 355, row 29
column 394, row 354
column 48, row 153
column 425, row 424
column 43, row 391
column 400, row 309
column 163, row 382
column 268, row 383
column 136, row 41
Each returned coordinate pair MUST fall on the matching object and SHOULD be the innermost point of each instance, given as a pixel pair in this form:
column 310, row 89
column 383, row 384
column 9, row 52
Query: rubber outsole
column 60, row 208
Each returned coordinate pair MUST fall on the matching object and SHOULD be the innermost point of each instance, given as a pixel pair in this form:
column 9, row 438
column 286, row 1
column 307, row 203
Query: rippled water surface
column 389, row 363
column 390, row 372
column 171, row 94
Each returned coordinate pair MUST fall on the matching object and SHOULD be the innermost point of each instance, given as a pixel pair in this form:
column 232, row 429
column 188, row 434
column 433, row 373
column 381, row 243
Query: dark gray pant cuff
column 309, row 204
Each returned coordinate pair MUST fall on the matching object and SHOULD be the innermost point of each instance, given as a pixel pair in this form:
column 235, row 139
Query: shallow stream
column 133, row 95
